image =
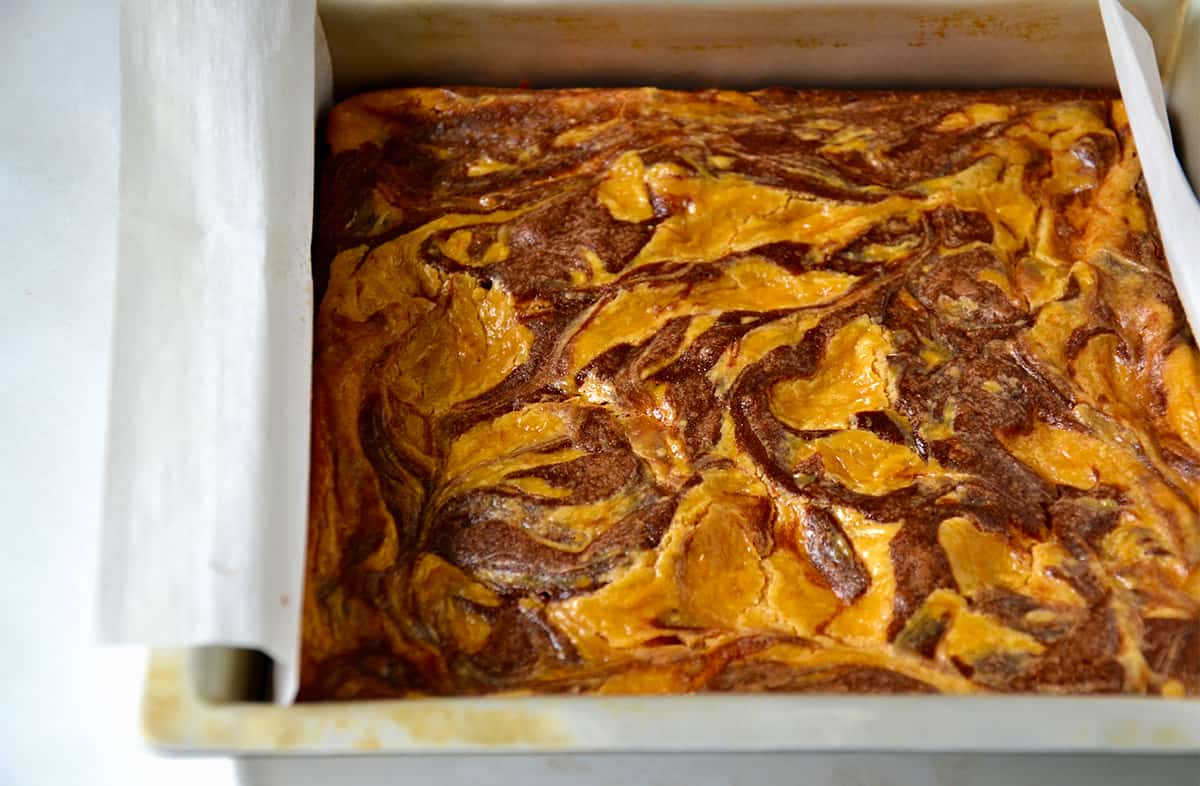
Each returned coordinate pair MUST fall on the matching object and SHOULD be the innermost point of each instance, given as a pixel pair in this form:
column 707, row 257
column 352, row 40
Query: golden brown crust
column 648, row 391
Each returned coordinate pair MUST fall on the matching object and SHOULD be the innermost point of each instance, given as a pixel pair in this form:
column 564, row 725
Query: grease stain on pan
column 162, row 707
column 711, row 46
column 1168, row 735
column 971, row 24
column 578, row 25
column 174, row 717
column 817, row 42
column 802, row 42
column 1132, row 732
column 368, row 742
column 454, row 725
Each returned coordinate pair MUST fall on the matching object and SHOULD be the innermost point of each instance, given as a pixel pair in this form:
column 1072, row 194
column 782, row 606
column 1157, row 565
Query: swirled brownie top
column 650, row 391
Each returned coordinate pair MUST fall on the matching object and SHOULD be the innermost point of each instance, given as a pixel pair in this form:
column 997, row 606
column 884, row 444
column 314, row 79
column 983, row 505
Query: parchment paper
column 207, row 465
column 207, row 484
column 1175, row 204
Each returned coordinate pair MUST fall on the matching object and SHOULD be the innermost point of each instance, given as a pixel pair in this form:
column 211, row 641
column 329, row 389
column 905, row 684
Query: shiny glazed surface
column 643, row 391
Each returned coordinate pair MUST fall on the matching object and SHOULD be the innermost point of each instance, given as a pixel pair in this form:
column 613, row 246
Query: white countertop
column 69, row 710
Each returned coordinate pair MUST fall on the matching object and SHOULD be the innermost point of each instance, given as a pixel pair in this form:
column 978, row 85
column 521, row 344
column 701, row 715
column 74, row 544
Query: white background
column 68, row 710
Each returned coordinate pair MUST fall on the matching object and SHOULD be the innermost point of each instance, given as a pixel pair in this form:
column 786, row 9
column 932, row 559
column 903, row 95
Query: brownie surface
column 642, row 391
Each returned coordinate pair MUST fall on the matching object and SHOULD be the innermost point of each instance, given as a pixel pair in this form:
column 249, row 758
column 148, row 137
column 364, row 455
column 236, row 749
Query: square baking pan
column 215, row 699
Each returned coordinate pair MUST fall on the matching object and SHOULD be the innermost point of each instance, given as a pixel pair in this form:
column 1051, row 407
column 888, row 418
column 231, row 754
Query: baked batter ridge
column 640, row 391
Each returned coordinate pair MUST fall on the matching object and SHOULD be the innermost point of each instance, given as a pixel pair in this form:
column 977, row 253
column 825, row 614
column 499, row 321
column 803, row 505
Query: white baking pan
column 214, row 700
